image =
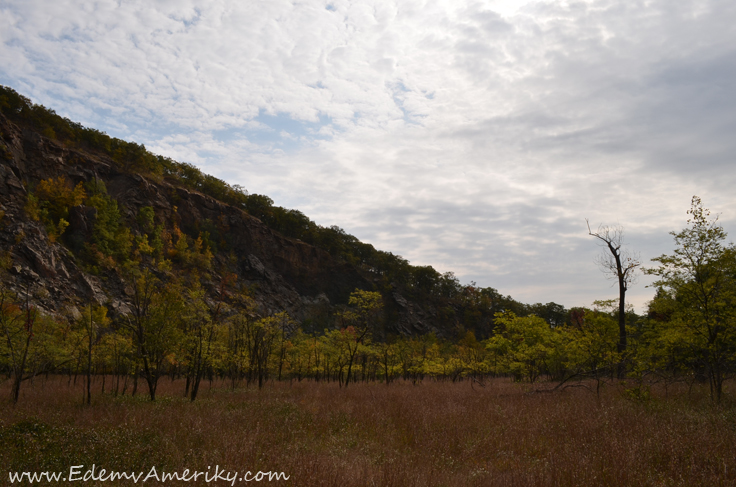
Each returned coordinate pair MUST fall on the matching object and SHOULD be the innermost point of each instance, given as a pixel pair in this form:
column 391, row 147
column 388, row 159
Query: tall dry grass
column 433, row 434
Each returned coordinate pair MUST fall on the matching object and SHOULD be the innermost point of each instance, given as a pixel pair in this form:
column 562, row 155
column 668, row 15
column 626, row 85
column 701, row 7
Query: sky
column 476, row 137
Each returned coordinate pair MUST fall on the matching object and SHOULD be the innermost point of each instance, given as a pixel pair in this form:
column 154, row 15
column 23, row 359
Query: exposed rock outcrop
column 282, row 274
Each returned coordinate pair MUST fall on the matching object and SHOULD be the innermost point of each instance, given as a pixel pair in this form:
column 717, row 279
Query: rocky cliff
column 281, row 274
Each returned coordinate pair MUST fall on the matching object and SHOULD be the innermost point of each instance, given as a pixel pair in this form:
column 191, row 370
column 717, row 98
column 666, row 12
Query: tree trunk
column 89, row 368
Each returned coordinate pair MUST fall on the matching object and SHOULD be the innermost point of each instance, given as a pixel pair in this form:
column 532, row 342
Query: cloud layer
column 472, row 136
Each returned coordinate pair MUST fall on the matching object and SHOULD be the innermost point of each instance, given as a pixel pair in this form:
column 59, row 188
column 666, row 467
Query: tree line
column 173, row 330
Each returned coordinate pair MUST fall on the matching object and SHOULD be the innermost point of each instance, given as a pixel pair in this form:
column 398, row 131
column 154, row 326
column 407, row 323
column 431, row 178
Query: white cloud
column 473, row 136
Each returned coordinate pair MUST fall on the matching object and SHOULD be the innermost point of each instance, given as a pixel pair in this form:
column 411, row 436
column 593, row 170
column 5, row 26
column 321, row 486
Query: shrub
column 50, row 204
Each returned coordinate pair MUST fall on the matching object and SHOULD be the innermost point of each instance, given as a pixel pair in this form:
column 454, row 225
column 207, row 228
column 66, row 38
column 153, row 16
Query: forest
column 191, row 324
column 174, row 331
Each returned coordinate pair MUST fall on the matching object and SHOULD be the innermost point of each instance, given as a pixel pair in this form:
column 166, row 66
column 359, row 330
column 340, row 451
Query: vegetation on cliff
column 465, row 306
column 134, row 158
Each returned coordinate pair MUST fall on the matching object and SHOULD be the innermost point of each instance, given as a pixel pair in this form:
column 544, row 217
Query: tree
column 26, row 339
column 284, row 322
column 621, row 265
column 264, row 332
column 388, row 359
column 238, row 348
column 51, row 202
column 90, row 322
column 117, row 349
column 199, row 327
column 696, row 296
column 524, row 346
column 157, row 308
column 17, row 327
column 366, row 307
column 591, row 341
column 110, row 236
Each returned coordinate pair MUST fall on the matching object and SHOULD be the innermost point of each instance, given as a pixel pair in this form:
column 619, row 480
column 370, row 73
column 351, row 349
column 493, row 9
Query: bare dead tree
column 618, row 264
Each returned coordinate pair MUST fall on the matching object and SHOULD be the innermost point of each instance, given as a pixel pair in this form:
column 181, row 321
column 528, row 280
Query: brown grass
column 433, row 434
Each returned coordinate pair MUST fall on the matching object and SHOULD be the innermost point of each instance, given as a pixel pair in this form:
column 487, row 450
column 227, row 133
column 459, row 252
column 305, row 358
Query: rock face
column 282, row 274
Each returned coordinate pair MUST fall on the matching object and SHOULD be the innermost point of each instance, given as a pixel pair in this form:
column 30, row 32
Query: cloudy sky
column 475, row 137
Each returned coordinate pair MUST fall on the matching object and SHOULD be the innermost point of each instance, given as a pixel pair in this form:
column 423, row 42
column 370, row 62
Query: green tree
column 263, row 334
column 364, row 312
column 153, row 324
column 697, row 288
column 50, row 204
column 201, row 325
column 26, row 339
column 591, row 342
column 524, row 346
column 387, row 356
column 117, row 349
column 237, row 348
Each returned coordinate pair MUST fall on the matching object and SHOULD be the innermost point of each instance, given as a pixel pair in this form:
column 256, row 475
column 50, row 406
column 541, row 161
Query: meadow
column 428, row 434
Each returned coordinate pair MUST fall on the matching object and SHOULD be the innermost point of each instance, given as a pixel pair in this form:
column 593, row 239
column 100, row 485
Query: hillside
column 79, row 208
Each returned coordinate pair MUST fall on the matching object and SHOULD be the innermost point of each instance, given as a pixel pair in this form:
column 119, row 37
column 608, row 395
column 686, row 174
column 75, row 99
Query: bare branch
column 619, row 265
column 615, row 262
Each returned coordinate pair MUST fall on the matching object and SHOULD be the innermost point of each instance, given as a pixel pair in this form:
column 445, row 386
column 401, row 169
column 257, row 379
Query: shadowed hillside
column 80, row 207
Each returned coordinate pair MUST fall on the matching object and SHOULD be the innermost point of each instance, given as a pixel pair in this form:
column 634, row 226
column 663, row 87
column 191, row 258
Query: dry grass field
column 433, row 434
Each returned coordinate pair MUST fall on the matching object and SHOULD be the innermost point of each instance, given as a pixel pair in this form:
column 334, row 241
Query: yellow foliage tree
column 50, row 204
